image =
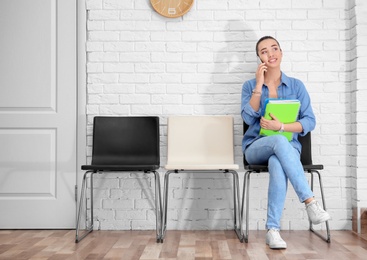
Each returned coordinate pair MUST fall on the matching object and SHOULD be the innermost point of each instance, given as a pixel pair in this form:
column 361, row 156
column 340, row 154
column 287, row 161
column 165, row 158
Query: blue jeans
column 284, row 163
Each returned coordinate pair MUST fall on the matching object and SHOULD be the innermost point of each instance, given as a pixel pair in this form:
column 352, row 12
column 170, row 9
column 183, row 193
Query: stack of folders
column 286, row 110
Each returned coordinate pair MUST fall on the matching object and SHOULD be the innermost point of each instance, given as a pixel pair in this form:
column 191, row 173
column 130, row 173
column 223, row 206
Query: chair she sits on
column 201, row 144
column 122, row 144
column 308, row 166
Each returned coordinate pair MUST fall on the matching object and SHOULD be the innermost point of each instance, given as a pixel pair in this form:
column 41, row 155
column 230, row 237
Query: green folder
column 286, row 110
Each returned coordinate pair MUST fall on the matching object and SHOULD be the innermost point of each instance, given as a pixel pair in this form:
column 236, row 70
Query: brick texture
column 140, row 63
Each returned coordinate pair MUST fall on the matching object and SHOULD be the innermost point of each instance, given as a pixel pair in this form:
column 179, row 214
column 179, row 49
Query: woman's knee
column 281, row 138
column 280, row 141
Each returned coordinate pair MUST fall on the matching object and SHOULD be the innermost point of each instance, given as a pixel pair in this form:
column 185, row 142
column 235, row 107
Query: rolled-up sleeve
column 306, row 115
column 249, row 115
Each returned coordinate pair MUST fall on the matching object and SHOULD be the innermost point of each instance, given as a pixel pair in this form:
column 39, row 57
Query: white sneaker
column 316, row 214
column 274, row 240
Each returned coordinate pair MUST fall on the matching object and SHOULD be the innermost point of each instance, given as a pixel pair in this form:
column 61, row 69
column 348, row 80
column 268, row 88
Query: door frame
column 81, row 123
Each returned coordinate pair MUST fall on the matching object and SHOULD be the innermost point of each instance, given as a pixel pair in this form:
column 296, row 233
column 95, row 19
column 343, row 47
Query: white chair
column 201, row 144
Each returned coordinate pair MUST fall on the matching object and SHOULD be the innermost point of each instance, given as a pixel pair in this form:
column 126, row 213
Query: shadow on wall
column 205, row 201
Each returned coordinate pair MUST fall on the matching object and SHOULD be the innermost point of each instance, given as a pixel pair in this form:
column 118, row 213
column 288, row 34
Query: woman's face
column 270, row 53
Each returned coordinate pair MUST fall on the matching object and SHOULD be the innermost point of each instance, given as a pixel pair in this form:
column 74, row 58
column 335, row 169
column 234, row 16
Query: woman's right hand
column 260, row 74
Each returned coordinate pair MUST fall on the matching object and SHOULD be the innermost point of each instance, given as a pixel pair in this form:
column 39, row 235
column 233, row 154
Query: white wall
column 358, row 149
column 139, row 63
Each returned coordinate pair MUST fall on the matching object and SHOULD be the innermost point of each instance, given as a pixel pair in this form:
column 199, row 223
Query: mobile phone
column 259, row 61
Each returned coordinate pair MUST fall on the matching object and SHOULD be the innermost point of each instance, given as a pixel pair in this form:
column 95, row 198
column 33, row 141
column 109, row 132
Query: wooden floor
column 186, row 245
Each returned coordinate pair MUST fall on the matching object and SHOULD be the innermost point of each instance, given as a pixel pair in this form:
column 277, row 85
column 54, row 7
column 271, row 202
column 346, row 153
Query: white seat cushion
column 201, row 167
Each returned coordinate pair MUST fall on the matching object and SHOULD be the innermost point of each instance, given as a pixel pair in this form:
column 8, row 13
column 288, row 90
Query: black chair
column 122, row 144
column 306, row 159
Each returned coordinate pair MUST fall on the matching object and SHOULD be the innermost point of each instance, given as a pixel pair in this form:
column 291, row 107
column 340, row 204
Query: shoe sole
column 277, row 247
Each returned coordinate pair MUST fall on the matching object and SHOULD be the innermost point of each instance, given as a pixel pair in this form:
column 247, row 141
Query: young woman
column 281, row 156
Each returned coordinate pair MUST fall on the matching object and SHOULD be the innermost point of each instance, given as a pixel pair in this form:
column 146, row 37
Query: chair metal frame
column 306, row 158
column 132, row 167
column 89, row 176
column 236, row 199
column 205, row 167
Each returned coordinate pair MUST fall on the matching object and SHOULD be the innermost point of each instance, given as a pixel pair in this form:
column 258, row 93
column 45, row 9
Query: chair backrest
column 306, row 153
column 200, row 140
column 126, row 141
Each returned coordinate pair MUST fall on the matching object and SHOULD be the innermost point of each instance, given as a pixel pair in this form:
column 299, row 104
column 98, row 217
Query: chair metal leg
column 319, row 234
column 236, row 201
column 236, row 205
column 89, row 229
column 246, row 200
column 158, row 207
column 246, row 197
column 165, row 205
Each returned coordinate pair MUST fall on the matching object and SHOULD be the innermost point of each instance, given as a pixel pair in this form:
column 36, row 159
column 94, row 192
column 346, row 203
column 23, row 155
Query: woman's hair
column 265, row 38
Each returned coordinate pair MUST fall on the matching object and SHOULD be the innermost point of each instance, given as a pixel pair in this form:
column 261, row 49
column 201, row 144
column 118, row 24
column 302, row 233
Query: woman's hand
column 261, row 69
column 270, row 124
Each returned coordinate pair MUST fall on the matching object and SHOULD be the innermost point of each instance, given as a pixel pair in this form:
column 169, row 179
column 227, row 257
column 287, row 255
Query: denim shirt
column 289, row 88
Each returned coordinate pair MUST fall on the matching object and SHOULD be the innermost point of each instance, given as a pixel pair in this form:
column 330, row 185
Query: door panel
column 19, row 157
column 37, row 113
column 28, row 50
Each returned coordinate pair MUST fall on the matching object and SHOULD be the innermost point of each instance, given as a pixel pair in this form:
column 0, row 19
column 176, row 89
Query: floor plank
column 178, row 245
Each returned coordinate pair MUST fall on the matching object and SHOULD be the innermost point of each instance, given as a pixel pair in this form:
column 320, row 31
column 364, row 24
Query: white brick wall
column 140, row 63
column 358, row 152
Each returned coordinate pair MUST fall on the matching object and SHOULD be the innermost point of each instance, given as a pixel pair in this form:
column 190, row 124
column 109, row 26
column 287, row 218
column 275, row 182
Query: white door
column 37, row 113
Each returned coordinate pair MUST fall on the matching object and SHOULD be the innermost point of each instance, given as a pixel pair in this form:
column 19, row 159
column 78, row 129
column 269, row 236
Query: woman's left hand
column 270, row 124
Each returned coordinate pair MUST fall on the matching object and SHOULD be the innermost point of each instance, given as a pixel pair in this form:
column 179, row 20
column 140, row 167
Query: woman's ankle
column 307, row 201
